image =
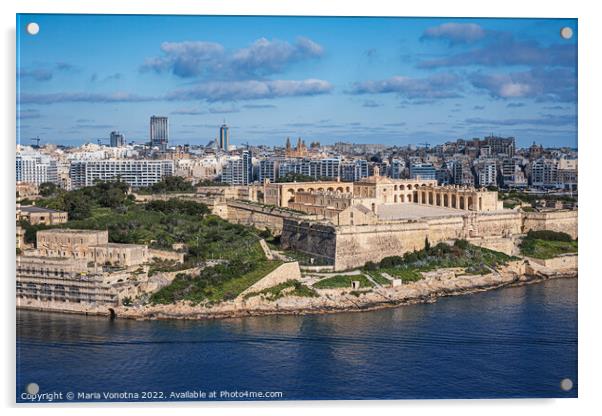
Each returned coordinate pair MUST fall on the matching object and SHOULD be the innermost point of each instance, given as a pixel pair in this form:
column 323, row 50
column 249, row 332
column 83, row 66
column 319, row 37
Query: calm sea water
column 514, row 342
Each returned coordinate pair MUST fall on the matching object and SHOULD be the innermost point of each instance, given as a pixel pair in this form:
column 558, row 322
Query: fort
column 348, row 224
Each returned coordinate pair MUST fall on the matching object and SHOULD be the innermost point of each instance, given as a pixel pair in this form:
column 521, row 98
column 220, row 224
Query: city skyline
column 395, row 81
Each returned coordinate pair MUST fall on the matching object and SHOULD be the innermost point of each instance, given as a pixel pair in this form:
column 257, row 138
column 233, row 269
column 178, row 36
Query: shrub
column 549, row 236
column 391, row 261
column 461, row 244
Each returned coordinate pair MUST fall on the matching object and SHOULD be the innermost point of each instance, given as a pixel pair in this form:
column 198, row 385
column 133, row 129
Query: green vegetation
column 378, row 278
column 215, row 284
column 513, row 198
column 282, row 289
column 342, row 281
column 547, row 244
column 462, row 254
column 295, row 177
column 169, row 185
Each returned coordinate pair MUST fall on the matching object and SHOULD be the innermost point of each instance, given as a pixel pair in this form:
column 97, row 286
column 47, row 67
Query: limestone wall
column 565, row 261
column 166, row 255
column 259, row 216
column 356, row 245
column 317, row 239
column 284, row 272
column 498, row 223
column 506, row 245
column 563, row 221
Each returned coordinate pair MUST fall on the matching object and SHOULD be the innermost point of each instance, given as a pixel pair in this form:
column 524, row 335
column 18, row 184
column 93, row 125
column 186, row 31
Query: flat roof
column 33, row 208
column 413, row 211
column 71, row 231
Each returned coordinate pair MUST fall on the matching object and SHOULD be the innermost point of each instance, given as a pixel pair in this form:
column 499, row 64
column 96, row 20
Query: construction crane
column 37, row 140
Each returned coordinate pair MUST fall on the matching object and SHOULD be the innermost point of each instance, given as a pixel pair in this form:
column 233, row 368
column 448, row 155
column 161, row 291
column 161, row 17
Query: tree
column 427, row 244
column 47, row 189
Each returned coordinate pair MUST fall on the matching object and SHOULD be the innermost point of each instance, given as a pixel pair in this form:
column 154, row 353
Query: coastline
column 436, row 284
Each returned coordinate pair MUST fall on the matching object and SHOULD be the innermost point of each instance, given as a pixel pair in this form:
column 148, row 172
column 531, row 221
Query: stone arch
column 310, row 189
column 423, row 196
column 462, row 202
column 445, row 200
column 409, row 197
column 330, row 189
column 320, row 189
column 340, row 189
column 402, row 187
column 402, row 198
column 300, row 190
column 348, row 189
column 438, row 199
column 480, row 204
column 431, row 198
column 394, row 198
column 470, row 203
column 454, row 201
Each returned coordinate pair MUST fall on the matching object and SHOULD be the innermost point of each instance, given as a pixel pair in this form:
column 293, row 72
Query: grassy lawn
column 542, row 249
column 214, row 284
column 276, row 292
column 547, row 244
column 408, row 268
column 342, row 281
column 378, row 278
column 234, row 287
column 405, row 274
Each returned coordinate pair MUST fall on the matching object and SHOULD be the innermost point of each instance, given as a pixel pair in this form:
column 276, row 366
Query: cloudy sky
column 366, row 80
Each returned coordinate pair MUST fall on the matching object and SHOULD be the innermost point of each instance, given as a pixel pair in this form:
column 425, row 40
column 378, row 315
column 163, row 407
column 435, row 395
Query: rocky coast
column 433, row 285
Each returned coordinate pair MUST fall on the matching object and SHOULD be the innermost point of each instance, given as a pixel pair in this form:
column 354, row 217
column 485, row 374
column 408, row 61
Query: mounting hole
column 32, row 388
column 566, row 384
column 32, row 28
column 566, row 32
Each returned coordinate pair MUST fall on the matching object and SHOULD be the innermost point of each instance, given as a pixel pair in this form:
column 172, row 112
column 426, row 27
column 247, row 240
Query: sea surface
column 507, row 343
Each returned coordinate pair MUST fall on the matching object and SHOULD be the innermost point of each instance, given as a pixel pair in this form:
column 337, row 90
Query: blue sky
column 366, row 80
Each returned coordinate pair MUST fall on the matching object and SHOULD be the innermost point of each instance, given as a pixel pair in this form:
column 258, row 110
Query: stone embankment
column 436, row 284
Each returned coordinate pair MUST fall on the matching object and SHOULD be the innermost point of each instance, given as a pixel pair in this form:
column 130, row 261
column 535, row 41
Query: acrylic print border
column 184, row 223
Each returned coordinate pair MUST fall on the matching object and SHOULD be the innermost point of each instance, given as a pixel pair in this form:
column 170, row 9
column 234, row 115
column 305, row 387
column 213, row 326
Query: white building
column 35, row 167
column 137, row 173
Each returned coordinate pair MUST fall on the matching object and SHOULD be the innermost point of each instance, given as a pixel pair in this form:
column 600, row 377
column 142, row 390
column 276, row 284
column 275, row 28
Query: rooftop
column 413, row 211
column 34, row 209
column 71, row 231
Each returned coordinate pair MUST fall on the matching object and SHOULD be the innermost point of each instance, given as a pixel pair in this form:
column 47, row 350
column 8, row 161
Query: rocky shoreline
column 434, row 285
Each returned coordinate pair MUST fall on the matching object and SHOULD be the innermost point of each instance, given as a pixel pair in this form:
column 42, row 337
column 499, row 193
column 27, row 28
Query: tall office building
column 159, row 132
column 224, row 138
column 117, row 139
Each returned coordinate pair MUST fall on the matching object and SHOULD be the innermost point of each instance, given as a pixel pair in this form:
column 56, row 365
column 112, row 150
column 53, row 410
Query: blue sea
column 517, row 342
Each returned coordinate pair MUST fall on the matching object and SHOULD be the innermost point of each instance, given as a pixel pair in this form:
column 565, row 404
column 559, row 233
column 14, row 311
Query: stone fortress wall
column 351, row 246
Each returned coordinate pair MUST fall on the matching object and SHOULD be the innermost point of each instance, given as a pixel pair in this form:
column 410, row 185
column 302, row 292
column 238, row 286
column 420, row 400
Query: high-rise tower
column 159, row 132
column 224, row 138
